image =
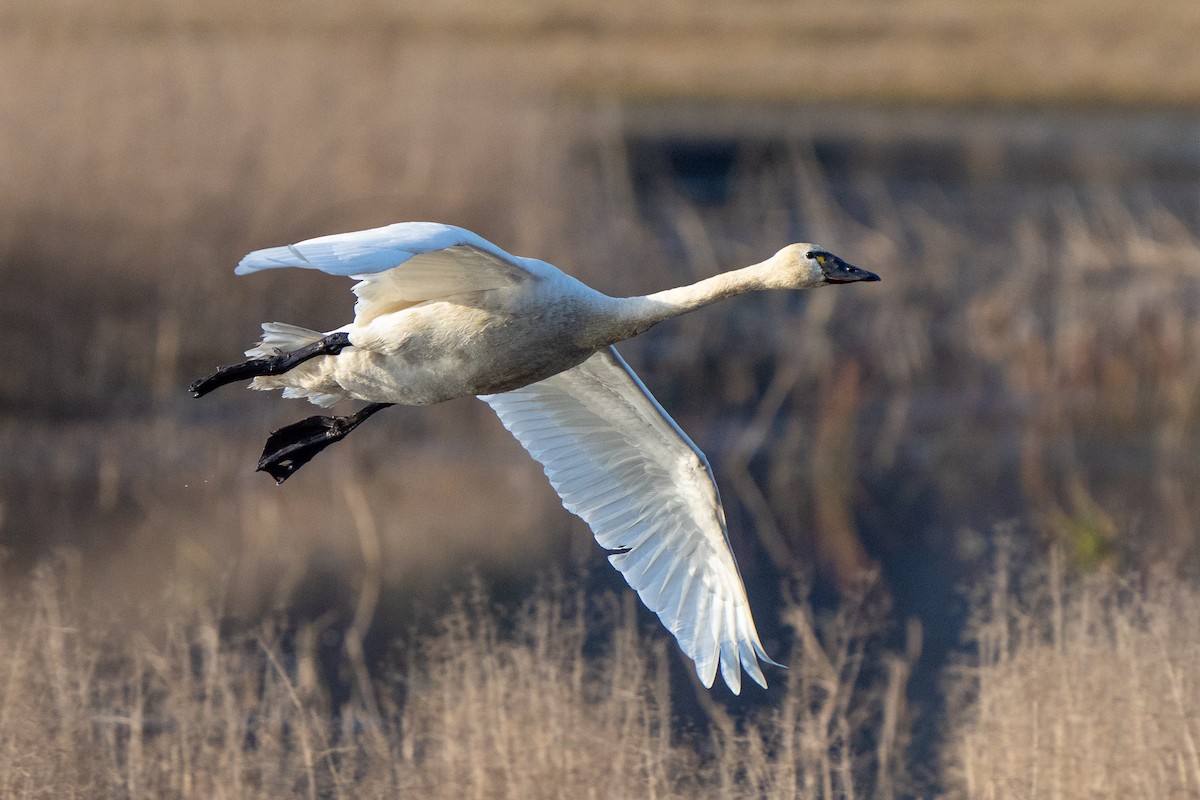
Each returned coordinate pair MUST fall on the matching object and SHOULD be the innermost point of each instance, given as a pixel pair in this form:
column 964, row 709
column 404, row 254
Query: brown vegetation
column 561, row 698
column 1078, row 688
column 1082, row 687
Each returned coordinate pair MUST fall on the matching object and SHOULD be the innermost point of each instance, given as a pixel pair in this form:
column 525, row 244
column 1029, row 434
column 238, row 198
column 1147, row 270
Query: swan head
column 805, row 266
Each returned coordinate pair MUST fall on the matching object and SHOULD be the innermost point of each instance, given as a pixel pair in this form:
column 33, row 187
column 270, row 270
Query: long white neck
column 640, row 313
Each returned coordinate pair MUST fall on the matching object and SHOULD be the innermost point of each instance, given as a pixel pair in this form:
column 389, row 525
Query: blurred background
column 1023, row 176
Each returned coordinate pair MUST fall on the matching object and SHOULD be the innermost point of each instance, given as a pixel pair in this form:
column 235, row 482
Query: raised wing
column 621, row 464
column 437, row 261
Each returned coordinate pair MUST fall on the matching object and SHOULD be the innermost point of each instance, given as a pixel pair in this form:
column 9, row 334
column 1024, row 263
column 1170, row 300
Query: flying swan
column 442, row 313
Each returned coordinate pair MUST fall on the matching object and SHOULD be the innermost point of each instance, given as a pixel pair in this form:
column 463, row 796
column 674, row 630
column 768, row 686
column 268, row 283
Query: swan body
column 443, row 313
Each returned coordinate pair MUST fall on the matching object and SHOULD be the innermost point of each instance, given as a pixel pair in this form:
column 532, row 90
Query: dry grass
column 561, row 698
column 840, row 727
column 176, row 700
column 1079, row 688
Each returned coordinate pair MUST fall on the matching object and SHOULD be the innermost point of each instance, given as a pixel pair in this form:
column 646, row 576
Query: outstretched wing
column 403, row 264
column 619, row 462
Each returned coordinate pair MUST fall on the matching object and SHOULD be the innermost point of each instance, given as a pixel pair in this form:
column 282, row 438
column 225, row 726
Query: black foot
column 329, row 345
column 291, row 447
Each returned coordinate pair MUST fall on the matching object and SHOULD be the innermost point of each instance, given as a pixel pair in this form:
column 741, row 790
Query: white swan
column 443, row 313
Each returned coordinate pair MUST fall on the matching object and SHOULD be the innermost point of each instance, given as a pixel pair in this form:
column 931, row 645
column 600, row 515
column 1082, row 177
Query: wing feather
column 619, row 462
column 400, row 265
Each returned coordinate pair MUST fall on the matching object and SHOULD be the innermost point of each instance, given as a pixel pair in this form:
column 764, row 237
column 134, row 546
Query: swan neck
column 654, row 308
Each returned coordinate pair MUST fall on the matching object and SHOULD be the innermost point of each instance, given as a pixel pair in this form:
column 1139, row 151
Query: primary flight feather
column 443, row 313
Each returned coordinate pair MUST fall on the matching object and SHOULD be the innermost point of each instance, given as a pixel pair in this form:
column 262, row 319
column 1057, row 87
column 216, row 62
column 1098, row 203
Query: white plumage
column 621, row 464
column 443, row 313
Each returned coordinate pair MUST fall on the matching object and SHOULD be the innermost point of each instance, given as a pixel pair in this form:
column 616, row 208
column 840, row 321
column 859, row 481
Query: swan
column 443, row 313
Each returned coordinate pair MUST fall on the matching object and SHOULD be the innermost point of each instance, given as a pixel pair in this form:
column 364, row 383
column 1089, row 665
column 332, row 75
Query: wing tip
column 733, row 660
column 270, row 258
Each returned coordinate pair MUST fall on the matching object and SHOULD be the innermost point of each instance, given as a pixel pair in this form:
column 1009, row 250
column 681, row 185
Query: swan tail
column 280, row 337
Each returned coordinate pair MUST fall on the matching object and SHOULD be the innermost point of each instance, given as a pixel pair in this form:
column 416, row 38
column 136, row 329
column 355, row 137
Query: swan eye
column 819, row 257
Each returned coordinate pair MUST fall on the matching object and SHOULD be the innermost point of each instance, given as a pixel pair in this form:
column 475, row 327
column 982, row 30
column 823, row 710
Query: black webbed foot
column 292, row 446
column 277, row 364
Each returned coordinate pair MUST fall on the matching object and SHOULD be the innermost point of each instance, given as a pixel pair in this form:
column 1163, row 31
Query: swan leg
column 278, row 364
column 291, row 447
